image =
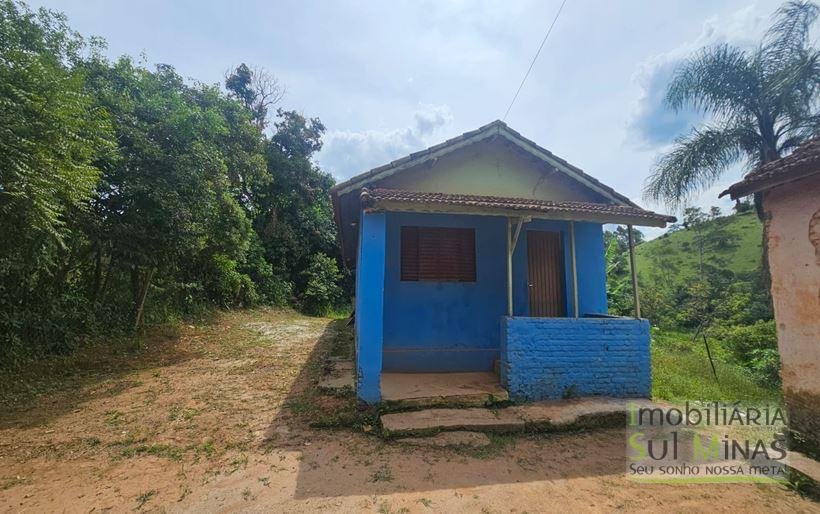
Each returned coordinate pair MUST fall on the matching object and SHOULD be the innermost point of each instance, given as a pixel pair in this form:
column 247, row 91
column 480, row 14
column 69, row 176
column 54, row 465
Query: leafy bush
column 754, row 347
column 741, row 340
column 227, row 286
column 765, row 365
column 322, row 291
column 272, row 288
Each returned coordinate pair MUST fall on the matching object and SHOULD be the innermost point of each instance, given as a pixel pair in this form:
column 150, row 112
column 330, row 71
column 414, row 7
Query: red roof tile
column 376, row 196
column 804, row 161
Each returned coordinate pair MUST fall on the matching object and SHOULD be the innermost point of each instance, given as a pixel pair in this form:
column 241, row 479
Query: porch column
column 509, row 269
column 633, row 271
column 512, row 241
column 370, row 272
column 574, row 268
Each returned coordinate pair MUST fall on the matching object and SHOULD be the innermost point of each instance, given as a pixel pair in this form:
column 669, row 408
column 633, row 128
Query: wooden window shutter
column 410, row 253
column 438, row 254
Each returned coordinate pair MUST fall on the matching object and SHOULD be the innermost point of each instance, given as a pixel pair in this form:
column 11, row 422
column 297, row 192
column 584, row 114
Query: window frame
column 437, row 254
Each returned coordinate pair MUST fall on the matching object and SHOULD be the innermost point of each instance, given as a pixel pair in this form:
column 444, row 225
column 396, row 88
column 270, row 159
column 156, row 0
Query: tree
column 128, row 196
column 762, row 104
column 295, row 219
column 51, row 132
column 166, row 208
column 51, row 136
column 257, row 89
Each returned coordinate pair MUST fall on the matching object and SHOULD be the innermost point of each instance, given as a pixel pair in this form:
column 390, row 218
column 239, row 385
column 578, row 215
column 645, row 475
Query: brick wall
column 553, row 358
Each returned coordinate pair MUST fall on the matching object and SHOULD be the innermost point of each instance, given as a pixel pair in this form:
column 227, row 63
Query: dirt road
column 213, row 418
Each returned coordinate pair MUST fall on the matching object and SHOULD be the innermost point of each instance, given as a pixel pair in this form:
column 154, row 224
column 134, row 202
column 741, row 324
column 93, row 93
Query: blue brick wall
column 553, row 358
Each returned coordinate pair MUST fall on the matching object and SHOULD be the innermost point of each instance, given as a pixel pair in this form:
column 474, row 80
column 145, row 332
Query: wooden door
column 545, row 265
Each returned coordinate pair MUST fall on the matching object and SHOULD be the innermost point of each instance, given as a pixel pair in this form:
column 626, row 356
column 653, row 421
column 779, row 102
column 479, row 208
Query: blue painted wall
column 445, row 326
column 370, row 306
column 590, row 262
column 448, row 326
column 553, row 358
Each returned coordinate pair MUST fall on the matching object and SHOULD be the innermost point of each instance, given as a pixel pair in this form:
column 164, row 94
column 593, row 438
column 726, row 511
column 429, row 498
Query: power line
column 549, row 30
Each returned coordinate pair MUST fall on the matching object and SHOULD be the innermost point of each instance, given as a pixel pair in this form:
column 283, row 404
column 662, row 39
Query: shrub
column 753, row 346
column 322, row 289
column 272, row 288
column 227, row 286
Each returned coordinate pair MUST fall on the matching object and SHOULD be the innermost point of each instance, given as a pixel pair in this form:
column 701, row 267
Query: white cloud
column 347, row 153
column 652, row 124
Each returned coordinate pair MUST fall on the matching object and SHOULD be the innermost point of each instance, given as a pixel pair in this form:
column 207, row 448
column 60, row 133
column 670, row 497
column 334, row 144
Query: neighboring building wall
column 451, row 326
column 553, row 358
column 793, row 228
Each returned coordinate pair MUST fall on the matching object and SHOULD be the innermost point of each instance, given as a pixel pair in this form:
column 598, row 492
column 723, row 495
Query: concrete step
column 555, row 414
column 434, row 420
column 471, row 389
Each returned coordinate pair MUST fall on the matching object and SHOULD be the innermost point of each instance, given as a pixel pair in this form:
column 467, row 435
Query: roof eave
column 567, row 215
column 748, row 187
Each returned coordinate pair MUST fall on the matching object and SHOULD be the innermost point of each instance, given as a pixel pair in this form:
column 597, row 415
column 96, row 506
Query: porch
column 527, row 319
column 539, row 359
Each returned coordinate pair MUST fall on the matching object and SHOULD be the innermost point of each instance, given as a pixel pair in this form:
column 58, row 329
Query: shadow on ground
column 48, row 389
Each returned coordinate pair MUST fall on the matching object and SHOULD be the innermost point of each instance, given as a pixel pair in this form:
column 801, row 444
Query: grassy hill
column 677, row 252
column 667, row 267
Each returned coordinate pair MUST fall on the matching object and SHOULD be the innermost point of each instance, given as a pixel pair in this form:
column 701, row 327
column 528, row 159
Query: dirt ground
column 215, row 418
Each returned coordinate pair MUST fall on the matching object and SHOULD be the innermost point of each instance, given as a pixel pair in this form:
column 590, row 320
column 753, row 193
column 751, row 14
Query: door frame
column 561, row 278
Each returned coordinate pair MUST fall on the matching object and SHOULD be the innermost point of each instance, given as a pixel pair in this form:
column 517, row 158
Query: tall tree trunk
column 95, row 287
column 769, row 153
column 143, row 292
column 109, row 269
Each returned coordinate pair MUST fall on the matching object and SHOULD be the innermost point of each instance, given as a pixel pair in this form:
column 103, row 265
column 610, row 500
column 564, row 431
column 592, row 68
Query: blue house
column 483, row 257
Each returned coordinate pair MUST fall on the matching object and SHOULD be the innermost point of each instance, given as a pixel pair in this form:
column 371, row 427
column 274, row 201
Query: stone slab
column 450, row 419
column 553, row 412
column 805, row 465
column 567, row 412
column 340, row 377
column 344, row 381
column 450, row 439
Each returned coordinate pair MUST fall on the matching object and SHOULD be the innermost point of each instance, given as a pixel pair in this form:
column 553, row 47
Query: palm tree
column 761, row 104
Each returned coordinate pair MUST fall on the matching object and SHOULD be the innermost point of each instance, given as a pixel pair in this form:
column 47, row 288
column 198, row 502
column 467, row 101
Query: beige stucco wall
column 793, row 221
column 495, row 168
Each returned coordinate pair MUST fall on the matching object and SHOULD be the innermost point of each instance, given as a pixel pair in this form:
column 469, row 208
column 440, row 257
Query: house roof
column 803, row 162
column 612, row 208
column 607, row 213
column 496, row 128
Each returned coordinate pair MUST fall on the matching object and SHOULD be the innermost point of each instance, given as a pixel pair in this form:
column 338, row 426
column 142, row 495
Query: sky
column 391, row 78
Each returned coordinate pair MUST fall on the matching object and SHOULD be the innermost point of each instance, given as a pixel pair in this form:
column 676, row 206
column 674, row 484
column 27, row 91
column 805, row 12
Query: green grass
column 677, row 252
column 681, row 371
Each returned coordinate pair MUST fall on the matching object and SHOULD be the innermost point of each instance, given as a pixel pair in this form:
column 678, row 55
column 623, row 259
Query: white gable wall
column 494, row 168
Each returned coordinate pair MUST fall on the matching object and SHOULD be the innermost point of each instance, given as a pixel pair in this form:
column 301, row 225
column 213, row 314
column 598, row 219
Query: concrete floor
column 419, row 386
